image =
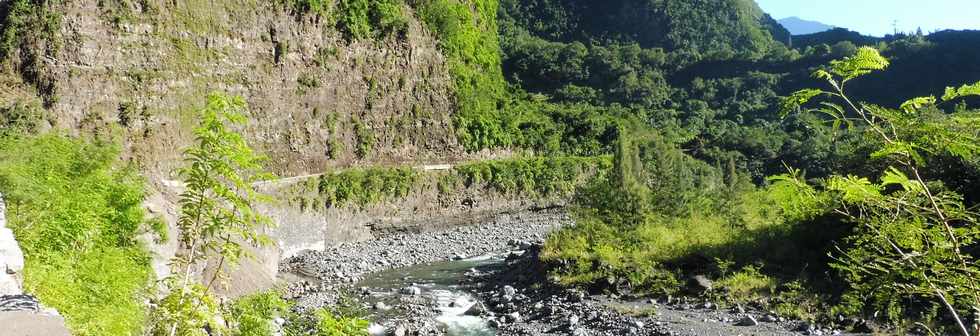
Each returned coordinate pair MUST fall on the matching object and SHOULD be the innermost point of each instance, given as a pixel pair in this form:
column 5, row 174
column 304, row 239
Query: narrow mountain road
column 295, row 179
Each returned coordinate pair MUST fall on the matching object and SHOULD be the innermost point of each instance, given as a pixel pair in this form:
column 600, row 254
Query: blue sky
column 875, row 17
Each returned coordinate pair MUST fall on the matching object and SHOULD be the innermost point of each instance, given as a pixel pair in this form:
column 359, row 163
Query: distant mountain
column 834, row 36
column 798, row 26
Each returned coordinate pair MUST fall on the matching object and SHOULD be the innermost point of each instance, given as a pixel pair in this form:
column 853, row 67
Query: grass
column 76, row 214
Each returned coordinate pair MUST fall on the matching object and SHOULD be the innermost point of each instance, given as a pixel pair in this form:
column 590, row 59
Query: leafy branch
column 915, row 228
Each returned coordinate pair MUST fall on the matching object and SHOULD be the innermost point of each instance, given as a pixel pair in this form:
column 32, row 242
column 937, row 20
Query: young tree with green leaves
column 217, row 216
column 915, row 235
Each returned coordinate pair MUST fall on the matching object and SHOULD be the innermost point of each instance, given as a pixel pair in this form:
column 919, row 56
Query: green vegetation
column 364, row 137
column 656, row 212
column 529, row 177
column 362, row 187
column 254, row 315
column 899, row 233
column 20, row 118
column 76, row 212
column 31, row 28
column 216, row 218
column 914, row 237
column 306, row 84
column 553, row 176
column 359, row 19
column 467, row 32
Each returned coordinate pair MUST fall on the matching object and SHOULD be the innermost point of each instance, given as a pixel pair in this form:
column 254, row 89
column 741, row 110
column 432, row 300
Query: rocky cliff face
column 140, row 69
column 138, row 72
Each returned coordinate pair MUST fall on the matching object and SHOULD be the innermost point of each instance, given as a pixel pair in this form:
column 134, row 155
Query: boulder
column 701, row 283
column 747, row 321
column 411, row 290
column 477, row 309
column 508, row 291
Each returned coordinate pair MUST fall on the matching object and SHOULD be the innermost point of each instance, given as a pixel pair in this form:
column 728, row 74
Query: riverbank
column 316, row 276
column 430, row 284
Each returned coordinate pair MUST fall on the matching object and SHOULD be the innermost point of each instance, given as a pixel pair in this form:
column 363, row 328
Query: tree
column 915, row 235
column 217, row 216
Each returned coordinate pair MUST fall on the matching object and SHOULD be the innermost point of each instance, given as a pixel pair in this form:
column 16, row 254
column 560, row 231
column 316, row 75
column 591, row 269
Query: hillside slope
column 318, row 97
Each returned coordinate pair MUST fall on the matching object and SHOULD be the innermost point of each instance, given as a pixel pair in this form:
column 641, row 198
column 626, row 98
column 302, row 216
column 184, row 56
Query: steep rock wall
column 140, row 70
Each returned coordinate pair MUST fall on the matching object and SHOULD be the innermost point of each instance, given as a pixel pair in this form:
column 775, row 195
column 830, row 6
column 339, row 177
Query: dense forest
column 738, row 152
column 711, row 180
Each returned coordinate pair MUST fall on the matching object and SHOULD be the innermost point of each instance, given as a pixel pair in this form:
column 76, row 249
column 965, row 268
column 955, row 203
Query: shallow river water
column 440, row 282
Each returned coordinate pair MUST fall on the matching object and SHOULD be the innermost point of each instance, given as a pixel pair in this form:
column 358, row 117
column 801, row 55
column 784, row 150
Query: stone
column 701, row 283
column 400, row 330
column 381, row 306
column 579, row 332
column 508, row 291
column 513, row 317
column 573, row 320
column 747, row 321
column 29, row 323
column 11, row 257
column 411, row 290
column 477, row 309
column 19, row 302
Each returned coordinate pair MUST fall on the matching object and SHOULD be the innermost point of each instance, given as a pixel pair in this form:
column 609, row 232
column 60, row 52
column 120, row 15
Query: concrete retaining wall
column 11, row 257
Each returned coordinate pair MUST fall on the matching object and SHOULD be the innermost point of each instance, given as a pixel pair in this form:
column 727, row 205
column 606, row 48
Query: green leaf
column 854, row 189
column 917, row 103
column 867, row 60
column 893, row 176
column 797, row 99
column 905, row 149
column 962, row 91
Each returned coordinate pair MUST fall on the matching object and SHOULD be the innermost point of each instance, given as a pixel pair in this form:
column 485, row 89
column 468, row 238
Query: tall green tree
column 217, row 216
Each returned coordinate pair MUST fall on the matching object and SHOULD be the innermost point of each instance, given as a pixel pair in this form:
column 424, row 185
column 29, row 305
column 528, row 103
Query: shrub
column 76, row 214
column 362, row 187
column 216, row 217
column 544, row 176
column 654, row 215
column 362, row 19
column 253, row 315
column 20, row 118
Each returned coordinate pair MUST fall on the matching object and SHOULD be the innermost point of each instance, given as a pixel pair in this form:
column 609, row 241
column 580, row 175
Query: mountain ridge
column 799, row 26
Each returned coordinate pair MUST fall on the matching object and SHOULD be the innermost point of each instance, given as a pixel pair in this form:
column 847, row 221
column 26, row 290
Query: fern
column 866, row 61
column 962, row 91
